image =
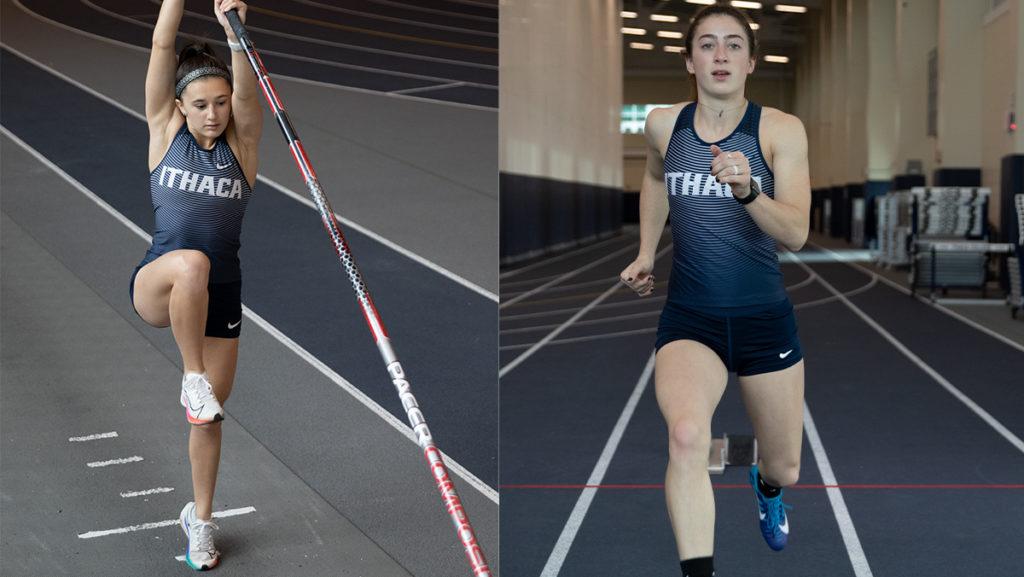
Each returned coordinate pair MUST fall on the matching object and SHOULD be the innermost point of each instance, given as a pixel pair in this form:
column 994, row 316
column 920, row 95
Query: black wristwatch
column 754, row 191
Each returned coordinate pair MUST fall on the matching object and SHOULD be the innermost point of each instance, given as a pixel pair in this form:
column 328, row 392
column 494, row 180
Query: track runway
column 912, row 463
column 320, row 474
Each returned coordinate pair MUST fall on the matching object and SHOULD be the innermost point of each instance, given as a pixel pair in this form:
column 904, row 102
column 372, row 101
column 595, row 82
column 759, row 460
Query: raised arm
column 245, row 104
column 653, row 202
column 162, row 65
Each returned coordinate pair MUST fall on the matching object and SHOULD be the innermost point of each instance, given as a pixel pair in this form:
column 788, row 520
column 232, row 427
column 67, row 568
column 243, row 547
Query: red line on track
column 896, row 486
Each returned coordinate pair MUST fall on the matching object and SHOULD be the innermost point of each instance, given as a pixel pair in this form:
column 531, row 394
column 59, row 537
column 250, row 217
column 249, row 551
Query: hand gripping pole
column 438, row 470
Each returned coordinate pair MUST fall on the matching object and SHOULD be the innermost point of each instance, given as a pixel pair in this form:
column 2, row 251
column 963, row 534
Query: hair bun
column 194, row 50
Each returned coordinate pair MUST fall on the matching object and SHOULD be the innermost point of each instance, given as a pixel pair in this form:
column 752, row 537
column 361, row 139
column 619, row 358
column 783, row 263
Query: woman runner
column 204, row 128
column 733, row 178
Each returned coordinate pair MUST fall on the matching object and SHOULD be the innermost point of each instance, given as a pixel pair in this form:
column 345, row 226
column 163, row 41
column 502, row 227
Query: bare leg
column 689, row 382
column 171, row 290
column 221, row 356
column 775, row 403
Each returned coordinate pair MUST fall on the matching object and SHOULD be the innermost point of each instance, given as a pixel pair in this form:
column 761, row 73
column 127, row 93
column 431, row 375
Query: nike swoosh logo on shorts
column 785, row 354
column 233, row 325
column 219, row 167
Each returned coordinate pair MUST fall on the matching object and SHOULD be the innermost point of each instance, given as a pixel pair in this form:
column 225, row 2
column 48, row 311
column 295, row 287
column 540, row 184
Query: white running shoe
column 201, row 406
column 200, row 554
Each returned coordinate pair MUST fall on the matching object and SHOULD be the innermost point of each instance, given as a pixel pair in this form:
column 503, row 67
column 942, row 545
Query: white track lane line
column 280, row 188
column 579, row 511
column 928, row 302
column 614, row 305
column 110, row 435
column 130, row 494
column 566, row 276
column 428, row 88
column 550, row 336
column 369, row 403
column 158, row 524
column 111, row 41
column 960, row 396
column 375, row 16
column 123, row 461
column 331, row 63
column 415, row 6
column 858, row 560
column 563, row 256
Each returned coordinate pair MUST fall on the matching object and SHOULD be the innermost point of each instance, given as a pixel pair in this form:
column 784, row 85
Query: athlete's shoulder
column 779, row 121
column 661, row 121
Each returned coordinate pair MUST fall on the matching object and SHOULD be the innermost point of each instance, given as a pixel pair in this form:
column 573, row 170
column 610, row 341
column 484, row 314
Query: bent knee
column 194, row 266
column 688, row 439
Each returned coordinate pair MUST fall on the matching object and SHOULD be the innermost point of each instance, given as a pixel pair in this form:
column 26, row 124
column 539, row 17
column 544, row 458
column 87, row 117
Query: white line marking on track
column 566, row 276
column 158, row 524
column 109, row 435
column 375, row 16
column 276, row 76
column 147, row 492
column 565, row 255
column 331, row 63
column 428, row 88
column 287, row 191
column 126, row 460
column 579, row 511
column 400, row 426
column 526, row 354
column 928, row 302
column 605, row 306
column 587, row 338
column 960, row 396
column 435, row 10
column 835, row 497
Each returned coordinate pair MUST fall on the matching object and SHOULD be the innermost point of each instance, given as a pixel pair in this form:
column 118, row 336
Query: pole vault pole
column 452, row 503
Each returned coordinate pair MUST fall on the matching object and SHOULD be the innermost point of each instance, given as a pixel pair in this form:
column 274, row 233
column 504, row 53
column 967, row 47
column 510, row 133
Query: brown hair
column 721, row 10
column 195, row 56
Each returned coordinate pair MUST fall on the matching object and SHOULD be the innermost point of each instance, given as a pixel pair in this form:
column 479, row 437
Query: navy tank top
column 721, row 258
column 199, row 199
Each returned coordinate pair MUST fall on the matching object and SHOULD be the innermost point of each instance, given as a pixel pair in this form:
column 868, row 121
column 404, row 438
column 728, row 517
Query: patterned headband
column 199, row 73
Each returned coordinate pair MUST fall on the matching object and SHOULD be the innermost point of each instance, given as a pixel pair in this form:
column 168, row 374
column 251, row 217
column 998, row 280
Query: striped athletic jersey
column 199, row 199
column 721, row 258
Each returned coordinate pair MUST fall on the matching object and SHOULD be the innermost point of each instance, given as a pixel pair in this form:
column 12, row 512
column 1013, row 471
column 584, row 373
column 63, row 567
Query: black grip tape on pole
column 236, row 25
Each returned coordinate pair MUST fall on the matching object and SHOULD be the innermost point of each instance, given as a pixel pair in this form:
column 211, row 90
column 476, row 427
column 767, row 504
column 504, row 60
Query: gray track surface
column 336, row 489
column 423, row 175
column 330, row 447
column 930, row 487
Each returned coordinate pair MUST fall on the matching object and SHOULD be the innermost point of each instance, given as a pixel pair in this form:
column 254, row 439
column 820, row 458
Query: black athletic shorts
column 750, row 341
column 224, row 312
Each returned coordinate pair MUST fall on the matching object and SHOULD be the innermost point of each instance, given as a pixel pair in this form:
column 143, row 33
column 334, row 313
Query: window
column 635, row 115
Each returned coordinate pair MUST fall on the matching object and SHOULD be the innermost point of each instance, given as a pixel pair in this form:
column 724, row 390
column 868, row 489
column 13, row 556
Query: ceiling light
column 755, row 26
column 700, row 1
column 778, row 59
column 641, row 45
column 669, row 34
column 664, row 18
column 627, row 14
column 790, row 8
column 676, row 49
column 634, row 31
column 742, row 4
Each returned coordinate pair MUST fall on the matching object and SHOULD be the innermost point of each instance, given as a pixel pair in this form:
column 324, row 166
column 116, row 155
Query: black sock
column 699, row 567
column 767, row 490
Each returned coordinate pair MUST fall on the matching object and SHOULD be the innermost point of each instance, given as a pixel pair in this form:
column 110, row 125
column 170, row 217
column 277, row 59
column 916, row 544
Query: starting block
column 736, row 450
